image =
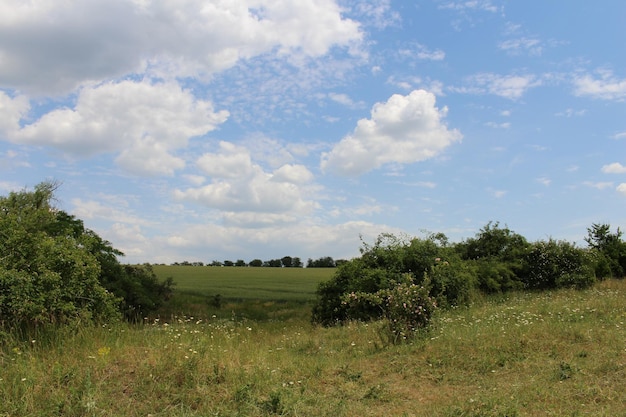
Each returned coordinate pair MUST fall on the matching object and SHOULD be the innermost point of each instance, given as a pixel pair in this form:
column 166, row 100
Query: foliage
column 405, row 307
column 47, row 273
column 451, row 283
column 555, row 264
column 380, row 266
column 54, row 270
column 610, row 250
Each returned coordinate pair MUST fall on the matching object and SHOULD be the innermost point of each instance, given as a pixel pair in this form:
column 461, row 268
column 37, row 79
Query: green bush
column 45, row 276
column 54, row 270
column 451, row 283
column 406, row 308
column 554, row 264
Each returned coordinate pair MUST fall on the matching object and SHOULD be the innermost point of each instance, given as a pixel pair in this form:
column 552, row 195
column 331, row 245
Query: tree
column 47, row 273
column 287, row 261
column 610, row 248
column 54, row 270
column 240, row 262
column 256, row 263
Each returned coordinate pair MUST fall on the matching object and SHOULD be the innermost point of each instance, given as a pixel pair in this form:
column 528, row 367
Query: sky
column 201, row 130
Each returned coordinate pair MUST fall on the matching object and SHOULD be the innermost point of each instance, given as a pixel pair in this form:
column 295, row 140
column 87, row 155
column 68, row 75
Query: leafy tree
column 611, row 250
column 240, row 262
column 229, row 263
column 47, row 272
column 286, row 261
column 323, row 262
column 256, row 262
column 296, row 262
column 58, row 269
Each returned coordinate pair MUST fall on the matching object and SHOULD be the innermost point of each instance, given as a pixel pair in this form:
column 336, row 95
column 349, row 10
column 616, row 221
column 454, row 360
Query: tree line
column 284, row 262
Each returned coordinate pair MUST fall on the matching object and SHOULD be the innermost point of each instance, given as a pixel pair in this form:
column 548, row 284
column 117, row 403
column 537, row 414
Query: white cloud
column 507, row 86
column 618, row 136
column 606, row 87
column 12, row 110
column 622, row 188
column 143, row 121
column 91, row 209
column 405, row 129
column 614, row 168
column 518, row 46
column 78, row 41
column 465, row 5
column 598, row 185
column 422, row 52
column 242, row 188
column 504, row 125
column 544, row 181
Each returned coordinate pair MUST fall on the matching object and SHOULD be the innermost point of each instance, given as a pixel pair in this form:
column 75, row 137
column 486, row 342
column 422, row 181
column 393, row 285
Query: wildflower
column 104, row 351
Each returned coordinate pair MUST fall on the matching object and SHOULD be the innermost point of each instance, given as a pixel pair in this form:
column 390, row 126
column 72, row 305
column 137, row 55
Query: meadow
column 558, row 353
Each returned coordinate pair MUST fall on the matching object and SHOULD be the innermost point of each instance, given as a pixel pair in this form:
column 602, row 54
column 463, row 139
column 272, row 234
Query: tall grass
column 561, row 353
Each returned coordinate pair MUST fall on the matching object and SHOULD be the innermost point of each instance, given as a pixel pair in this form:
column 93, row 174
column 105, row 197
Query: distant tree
column 216, row 263
column 240, row 262
column 287, row 261
column 229, row 263
column 296, row 262
column 256, row 263
column 273, row 263
column 323, row 262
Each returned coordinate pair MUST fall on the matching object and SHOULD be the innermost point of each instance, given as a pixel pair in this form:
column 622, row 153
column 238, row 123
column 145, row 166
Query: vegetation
column 550, row 353
column 53, row 270
column 497, row 260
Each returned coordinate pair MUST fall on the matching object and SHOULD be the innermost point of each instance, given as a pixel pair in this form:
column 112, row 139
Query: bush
column 406, row 308
column 451, row 283
column 555, row 264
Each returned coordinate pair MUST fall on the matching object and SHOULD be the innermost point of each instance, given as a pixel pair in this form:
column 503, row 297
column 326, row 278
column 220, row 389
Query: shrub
column 406, row 308
column 451, row 283
column 556, row 264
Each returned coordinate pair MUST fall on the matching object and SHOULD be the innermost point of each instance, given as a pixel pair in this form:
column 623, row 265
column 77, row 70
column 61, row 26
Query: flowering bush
column 405, row 307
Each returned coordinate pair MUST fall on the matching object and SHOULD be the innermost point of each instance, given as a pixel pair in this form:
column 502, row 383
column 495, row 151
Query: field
column 242, row 283
column 560, row 353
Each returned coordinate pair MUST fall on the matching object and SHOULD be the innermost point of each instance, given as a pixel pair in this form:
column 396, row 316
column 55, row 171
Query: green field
column 244, row 283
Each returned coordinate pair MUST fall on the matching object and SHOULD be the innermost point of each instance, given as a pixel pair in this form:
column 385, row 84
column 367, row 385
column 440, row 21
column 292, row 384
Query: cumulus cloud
column 622, row 188
column 244, row 190
column 12, row 110
column 606, row 86
column 143, row 121
column 78, row 41
column 404, row 129
column 614, row 168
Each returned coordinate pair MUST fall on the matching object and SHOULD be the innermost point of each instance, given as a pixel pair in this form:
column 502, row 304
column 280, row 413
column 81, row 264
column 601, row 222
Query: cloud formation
column 79, row 41
column 606, row 87
column 248, row 193
column 144, row 122
column 404, row 129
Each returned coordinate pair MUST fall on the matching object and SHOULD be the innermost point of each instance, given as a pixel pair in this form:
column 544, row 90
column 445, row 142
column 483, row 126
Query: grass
column 561, row 353
column 245, row 283
column 252, row 293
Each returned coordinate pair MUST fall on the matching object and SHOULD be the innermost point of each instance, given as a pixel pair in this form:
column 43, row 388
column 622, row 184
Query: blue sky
column 239, row 129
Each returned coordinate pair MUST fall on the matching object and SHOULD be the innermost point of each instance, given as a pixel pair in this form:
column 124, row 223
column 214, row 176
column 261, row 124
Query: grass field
column 243, row 283
column 252, row 293
column 560, row 353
